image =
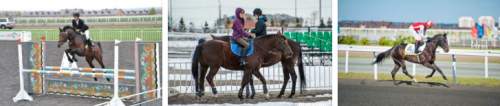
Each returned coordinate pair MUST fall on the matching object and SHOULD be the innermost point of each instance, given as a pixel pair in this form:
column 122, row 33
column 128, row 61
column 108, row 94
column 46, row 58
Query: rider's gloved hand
column 252, row 35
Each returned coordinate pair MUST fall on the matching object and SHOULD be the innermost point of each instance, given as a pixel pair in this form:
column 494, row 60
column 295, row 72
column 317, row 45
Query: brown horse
column 287, row 63
column 214, row 54
column 78, row 46
column 425, row 58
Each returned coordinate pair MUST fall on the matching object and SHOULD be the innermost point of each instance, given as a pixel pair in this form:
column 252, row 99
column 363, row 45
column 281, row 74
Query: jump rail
column 104, row 73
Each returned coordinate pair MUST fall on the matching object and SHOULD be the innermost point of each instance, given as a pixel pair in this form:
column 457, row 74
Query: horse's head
column 64, row 35
column 442, row 41
column 283, row 45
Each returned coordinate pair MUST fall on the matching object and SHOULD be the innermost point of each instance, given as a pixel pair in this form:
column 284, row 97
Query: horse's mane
column 268, row 36
column 68, row 27
column 437, row 37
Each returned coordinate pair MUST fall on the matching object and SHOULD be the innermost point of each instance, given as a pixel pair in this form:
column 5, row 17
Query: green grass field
column 102, row 34
column 465, row 81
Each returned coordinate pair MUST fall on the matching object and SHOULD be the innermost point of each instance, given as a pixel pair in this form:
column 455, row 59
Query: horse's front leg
column 67, row 52
column 263, row 80
column 246, row 77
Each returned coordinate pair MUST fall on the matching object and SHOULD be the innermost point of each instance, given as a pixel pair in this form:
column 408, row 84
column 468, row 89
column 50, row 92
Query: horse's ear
column 60, row 29
column 445, row 34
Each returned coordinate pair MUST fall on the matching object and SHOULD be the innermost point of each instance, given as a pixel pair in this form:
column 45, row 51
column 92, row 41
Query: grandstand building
column 69, row 12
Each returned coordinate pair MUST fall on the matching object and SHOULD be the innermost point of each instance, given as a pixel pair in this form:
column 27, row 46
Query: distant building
column 487, row 20
column 84, row 13
column 465, row 22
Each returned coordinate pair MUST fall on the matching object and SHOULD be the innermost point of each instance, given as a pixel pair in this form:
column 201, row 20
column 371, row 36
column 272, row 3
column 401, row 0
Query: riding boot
column 417, row 45
column 243, row 54
column 87, row 39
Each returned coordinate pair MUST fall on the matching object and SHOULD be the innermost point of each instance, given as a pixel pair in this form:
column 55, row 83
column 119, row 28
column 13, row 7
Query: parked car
column 7, row 23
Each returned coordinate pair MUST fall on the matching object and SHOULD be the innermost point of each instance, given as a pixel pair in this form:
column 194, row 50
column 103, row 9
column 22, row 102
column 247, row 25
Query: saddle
column 410, row 49
column 236, row 48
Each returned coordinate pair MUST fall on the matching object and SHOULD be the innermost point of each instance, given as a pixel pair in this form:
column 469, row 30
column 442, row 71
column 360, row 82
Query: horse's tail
column 99, row 45
column 302, row 75
column 195, row 61
column 89, row 43
column 383, row 55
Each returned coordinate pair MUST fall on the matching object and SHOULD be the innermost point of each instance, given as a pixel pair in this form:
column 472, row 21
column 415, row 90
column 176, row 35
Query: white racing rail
column 452, row 53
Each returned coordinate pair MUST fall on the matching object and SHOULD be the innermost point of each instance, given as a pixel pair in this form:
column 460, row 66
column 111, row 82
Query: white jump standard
column 115, row 101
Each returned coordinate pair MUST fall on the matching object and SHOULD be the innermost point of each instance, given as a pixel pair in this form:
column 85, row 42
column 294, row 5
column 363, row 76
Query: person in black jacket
column 79, row 24
column 81, row 27
column 260, row 26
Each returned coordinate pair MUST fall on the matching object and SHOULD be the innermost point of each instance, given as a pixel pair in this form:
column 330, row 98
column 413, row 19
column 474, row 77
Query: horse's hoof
column 291, row 96
column 241, row 97
column 428, row 76
column 267, row 96
column 199, row 94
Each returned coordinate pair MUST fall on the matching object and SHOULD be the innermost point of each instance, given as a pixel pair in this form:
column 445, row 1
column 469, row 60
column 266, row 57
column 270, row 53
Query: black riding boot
column 417, row 45
column 243, row 54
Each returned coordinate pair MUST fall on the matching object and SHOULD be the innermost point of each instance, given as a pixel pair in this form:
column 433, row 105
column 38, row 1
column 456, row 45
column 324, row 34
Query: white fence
column 452, row 53
column 228, row 81
column 150, row 19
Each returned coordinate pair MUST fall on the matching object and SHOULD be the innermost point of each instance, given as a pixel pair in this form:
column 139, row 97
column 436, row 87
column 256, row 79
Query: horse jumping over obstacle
column 145, row 75
column 77, row 45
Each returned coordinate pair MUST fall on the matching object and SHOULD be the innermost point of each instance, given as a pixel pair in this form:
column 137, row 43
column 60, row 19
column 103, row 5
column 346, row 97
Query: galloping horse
column 425, row 58
column 287, row 63
column 78, row 46
column 214, row 54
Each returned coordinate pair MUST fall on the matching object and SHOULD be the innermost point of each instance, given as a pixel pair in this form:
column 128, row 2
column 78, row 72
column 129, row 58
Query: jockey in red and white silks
column 419, row 29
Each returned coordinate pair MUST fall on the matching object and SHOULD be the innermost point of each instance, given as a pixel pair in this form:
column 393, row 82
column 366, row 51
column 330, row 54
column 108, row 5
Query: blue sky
column 199, row 11
column 441, row 11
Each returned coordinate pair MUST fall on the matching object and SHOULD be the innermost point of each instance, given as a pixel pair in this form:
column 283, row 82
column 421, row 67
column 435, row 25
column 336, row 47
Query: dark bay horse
column 287, row 63
column 214, row 54
column 77, row 46
column 426, row 57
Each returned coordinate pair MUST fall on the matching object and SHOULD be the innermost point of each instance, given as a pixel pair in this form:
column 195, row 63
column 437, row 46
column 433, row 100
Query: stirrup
column 418, row 58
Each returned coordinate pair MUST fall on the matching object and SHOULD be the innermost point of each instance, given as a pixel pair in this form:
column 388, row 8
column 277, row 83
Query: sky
column 199, row 11
column 30, row 5
column 441, row 11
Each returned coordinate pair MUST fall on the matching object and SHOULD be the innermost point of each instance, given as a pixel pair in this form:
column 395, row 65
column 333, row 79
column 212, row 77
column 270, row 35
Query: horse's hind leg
column 403, row 65
column 394, row 71
column 91, row 65
column 201, row 84
column 286, row 77
column 98, row 58
column 294, row 80
column 210, row 79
